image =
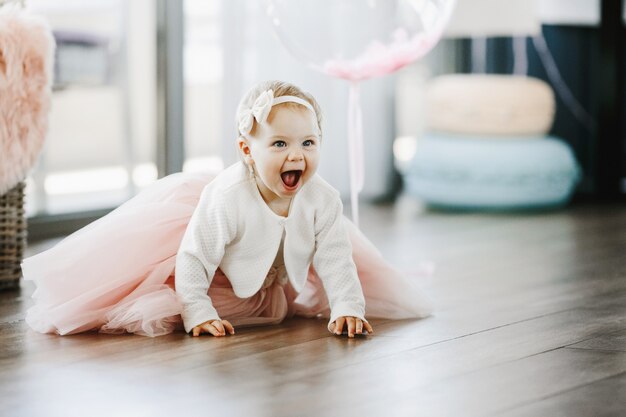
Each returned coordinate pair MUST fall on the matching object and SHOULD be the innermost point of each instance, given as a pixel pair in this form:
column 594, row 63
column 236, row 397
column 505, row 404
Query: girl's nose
column 295, row 156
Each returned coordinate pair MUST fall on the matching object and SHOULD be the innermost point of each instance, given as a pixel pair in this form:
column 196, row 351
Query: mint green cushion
column 472, row 172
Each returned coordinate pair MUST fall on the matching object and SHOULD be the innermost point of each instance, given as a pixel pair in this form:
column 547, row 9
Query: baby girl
column 271, row 209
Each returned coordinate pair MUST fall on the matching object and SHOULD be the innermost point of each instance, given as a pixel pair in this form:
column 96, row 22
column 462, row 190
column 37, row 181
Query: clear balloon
column 359, row 39
column 356, row 40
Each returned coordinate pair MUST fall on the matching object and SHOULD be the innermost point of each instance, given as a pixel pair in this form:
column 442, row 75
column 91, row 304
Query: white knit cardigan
column 234, row 229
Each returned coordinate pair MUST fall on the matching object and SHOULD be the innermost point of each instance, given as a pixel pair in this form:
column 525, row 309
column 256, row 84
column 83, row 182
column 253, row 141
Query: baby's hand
column 215, row 327
column 354, row 324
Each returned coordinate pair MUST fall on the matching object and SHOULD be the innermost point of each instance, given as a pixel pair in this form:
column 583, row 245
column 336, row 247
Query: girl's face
column 284, row 151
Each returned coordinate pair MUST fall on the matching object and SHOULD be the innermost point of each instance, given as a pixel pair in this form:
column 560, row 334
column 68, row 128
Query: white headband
column 262, row 107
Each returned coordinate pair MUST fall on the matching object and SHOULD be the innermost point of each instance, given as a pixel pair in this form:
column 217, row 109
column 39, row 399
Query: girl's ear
column 242, row 143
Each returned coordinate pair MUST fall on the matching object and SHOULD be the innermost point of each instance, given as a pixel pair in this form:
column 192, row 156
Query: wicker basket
column 12, row 236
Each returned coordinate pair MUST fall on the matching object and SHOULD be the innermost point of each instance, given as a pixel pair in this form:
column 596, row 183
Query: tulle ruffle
column 118, row 274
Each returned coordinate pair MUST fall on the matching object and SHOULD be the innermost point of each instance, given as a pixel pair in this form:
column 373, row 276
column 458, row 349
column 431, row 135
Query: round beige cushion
column 489, row 104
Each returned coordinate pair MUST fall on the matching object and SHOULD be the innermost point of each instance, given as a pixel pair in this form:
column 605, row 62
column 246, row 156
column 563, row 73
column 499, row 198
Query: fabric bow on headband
column 262, row 107
column 259, row 111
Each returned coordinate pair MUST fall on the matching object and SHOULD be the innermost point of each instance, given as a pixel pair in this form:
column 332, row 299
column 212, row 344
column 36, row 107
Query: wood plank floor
column 530, row 321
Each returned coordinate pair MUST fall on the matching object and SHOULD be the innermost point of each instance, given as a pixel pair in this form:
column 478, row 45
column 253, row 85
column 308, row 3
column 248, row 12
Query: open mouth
column 291, row 178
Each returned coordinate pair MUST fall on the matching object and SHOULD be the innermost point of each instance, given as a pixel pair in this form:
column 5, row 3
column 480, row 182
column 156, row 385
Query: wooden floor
column 530, row 321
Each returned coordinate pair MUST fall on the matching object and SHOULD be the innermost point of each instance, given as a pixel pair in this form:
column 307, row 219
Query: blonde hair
column 280, row 89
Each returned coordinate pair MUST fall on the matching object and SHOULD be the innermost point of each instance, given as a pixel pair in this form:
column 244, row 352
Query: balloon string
column 355, row 149
column 359, row 140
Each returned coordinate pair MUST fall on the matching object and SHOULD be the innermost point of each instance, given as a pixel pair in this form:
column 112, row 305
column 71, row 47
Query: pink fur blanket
column 26, row 60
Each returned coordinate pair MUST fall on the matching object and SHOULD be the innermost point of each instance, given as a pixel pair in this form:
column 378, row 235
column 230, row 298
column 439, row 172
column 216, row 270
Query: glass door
column 203, row 75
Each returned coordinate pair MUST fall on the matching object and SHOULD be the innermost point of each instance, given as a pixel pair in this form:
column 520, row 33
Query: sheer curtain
column 252, row 53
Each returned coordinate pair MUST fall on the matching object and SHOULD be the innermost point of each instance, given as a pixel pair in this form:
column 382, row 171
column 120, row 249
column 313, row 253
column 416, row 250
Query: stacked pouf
column 486, row 146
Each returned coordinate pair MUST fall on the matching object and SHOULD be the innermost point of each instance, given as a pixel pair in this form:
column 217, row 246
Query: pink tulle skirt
column 117, row 274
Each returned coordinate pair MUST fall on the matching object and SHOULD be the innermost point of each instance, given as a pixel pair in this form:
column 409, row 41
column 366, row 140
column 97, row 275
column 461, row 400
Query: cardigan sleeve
column 334, row 265
column 201, row 250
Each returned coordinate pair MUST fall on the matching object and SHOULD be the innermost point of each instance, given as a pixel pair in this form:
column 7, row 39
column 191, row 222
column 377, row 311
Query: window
column 100, row 148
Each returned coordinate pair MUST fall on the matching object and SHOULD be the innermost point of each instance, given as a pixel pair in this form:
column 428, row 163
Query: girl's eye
column 279, row 144
column 308, row 142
